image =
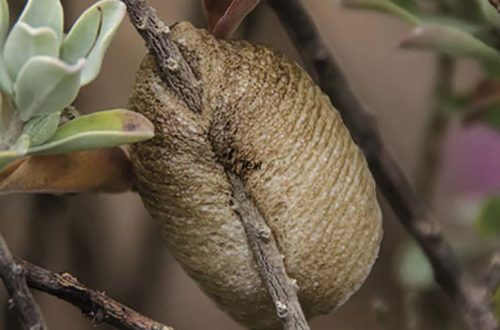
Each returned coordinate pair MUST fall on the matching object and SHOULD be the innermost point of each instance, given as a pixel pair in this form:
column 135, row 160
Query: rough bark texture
column 13, row 277
column 93, row 304
column 281, row 288
column 266, row 121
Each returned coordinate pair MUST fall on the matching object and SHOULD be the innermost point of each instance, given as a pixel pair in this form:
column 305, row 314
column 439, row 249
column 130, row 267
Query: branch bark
column 93, row 304
column 473, row 299
column 174, row 69
column 13, row 277
column 282, row 289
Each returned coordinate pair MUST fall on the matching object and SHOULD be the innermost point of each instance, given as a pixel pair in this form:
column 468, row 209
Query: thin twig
column 436, row 128
column 94, row 305
column 174, row 69
column 281, row 287
column 15, row 282
column 474, row 300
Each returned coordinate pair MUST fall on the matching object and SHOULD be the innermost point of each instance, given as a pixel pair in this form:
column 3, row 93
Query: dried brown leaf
column 225, row 16
column 103, row 170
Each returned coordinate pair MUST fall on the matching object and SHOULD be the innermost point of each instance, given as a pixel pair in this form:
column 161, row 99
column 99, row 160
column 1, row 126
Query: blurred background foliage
column 439, row 112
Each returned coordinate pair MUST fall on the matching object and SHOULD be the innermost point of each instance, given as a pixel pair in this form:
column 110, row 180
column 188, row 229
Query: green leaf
column 488, row 221
column 384, row 6
column 453, row 22
column 492, row 116
column 414, row 270
column 44, row 13
column 4, row 21
column 2, row 125
column 452, row 41
column 98, row 130
column 25, row 42
column 8, row 156
column 455, row 103
column 91, row 35
column 46, row 85
column 41, row 128
column 19, row 150
column 490, row 13
column 5, row 81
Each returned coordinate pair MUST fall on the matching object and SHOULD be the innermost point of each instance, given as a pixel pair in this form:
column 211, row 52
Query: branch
column 473, row 300
column 15, row 282
column 174, row 69
column 281, row 287
column 94, row 305
column 436, row 128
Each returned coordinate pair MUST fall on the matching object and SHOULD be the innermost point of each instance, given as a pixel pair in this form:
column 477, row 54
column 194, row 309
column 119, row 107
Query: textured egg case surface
column 265, row 119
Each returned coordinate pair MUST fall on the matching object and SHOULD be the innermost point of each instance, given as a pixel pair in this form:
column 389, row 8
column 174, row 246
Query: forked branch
column 13, row 277
column 93, row 304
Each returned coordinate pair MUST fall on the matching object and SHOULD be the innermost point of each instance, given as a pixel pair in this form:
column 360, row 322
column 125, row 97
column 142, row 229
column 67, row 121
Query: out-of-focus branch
column 474, row 300
column 269, row 259
column 493, row 276
column 436, row 128
column 93, row 304
column 13, row 277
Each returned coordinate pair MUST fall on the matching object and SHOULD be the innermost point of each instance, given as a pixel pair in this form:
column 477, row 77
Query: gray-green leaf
column 46, row 85
column 41, row 128
column 90, row 36
column 4, row 21
column 5, row 81
column 98, row 130
column 19, row 150
column 25, row 42
column 44, row 13
column 8, row 156
column 490, row 13
column 414, row 270
column 384, row 6
column 452, row 41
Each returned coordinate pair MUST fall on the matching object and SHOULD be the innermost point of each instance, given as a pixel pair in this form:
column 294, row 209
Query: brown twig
column 95, row 305
column 269, row 260
column 474, row 300
column 174, row 69
column 13, row 277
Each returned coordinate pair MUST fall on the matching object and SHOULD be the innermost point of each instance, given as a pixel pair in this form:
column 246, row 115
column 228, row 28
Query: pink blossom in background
column 471, row 161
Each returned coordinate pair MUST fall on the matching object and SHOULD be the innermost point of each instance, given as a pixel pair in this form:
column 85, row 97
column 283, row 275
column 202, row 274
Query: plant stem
column 436, row 129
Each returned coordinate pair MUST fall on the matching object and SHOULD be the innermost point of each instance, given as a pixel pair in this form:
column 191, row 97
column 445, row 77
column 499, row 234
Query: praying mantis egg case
column 265, row 119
